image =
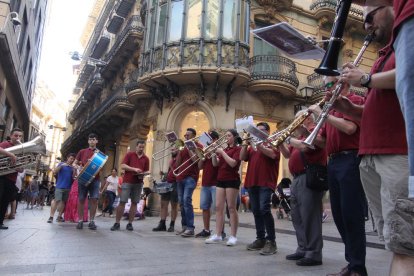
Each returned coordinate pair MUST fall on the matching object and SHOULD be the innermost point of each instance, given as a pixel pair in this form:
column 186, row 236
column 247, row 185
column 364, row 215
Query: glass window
column 244, row 22
column 229, row 19
column 194, row 18
column 162, row 20
column 212, row 19
column 176, row 20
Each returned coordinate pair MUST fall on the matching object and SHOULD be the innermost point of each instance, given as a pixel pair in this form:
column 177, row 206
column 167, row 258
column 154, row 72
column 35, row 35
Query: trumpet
column 309, row 141
column 201, row 154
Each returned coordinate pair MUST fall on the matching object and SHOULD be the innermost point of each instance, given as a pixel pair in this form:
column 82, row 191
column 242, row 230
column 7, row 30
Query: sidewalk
column 33, row 247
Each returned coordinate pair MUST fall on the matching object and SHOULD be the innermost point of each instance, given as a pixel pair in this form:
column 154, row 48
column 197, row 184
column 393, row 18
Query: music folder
column 257, row 133
column 205, row 139
column 291, row 42
column 171, row 137
column 190, row 145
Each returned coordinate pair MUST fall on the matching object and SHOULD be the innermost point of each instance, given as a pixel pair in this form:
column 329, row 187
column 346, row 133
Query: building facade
column 21, row 34
column 174, row 64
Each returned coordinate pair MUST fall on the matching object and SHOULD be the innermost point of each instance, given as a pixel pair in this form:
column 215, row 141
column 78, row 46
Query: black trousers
column 348, row 205
column 7, row 194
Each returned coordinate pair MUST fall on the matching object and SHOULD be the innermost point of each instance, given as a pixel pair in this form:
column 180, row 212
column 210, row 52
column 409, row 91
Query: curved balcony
column 325, row 10
column 273, row 73
column 316, row 82
column 277, row 5
column 94, row 86
column 193, row 62
column 126, row 44
column 79, row 107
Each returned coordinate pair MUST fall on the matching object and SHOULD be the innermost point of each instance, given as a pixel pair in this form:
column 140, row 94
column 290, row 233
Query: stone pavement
column 33, row 247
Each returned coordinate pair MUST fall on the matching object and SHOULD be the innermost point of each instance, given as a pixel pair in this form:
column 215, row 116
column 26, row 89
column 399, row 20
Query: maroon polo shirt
column 403, row 10
column 83, row 157
column 193, row 171
column 131, row 159
column 382, row 123
column 312, row 156
column 262, row 170
column 209, row 174
column 225, row 172
column 336, row 140
column 10, row 176
column 171, row 168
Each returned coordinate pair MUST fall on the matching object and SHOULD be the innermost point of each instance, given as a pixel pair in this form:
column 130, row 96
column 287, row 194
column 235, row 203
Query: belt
column 344, row 152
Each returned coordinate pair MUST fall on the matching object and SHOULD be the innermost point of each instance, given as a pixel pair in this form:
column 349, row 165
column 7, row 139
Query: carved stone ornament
column 190, row 94
column 270, row 100
column 160, row 135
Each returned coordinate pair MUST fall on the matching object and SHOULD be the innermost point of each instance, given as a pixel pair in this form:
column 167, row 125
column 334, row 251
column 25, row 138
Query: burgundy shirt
column 209, row 174
column 262, row 170
column 171, row 168
column 403, row 10
column 131, row 159
column 336, row 140
column 225, row 172
column 315, row 156
column 10, row 176
column 83, row 157
column 382, row 123
column 193, row 171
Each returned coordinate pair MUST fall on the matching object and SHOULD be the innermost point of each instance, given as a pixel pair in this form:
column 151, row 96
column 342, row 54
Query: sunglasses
column 329, row 84
column 370, row 16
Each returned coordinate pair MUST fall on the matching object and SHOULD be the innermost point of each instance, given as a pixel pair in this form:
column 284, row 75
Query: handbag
column 316, row 175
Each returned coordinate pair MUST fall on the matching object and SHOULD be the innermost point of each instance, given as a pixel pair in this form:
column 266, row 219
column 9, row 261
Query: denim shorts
column 92, row 189
column 207, row 197
column 132, row 191
column 62, row 194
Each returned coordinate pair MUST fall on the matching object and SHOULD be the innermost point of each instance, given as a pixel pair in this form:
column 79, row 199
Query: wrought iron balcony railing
column 273, row 67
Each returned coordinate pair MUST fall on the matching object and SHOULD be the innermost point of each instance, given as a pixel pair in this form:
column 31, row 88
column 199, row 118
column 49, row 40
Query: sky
column 62, row 33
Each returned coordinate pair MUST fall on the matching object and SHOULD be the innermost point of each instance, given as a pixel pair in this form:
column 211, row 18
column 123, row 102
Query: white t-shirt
column 19, row 180
column 113, row 183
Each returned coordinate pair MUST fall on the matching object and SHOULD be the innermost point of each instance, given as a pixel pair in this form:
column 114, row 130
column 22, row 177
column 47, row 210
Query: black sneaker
column 308, row 262
column 3, row 227
column 50, row 220
column 129, row 227
column 256, row 245
column 60, row 219
column 80, row 225
column 223, row 236
column 203, row 234
column 294, row 257
column 92, row 225
column 160, row 227
column 115, row 227
column 171, row 228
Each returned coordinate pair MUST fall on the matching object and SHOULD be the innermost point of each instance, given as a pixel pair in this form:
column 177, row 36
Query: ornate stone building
column 173, row 64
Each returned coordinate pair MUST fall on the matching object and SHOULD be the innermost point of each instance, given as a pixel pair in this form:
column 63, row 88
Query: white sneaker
column 231, row 241
column 214, row 239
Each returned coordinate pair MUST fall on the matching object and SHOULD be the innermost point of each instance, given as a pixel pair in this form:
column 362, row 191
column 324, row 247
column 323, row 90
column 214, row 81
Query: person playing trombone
column 187, row 178
column 228, row 182
column 208, row 187
column 261, row 178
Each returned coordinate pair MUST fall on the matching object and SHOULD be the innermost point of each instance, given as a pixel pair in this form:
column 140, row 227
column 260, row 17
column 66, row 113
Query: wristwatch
column 365, row 80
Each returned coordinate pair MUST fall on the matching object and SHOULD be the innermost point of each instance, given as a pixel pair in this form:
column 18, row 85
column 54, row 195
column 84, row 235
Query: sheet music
column 291, row 42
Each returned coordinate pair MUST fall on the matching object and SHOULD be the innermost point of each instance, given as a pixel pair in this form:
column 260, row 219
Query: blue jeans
column 111, row 198
column 404, row 58
column 185, row 190
column 207, row 197
column 348, row 204
column 260, row 199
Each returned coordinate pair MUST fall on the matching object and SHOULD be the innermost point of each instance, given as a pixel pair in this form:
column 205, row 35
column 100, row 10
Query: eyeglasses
column 370, row 17
column 329, row 84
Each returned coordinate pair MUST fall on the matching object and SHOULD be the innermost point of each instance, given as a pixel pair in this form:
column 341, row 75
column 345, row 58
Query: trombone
column 201, row 155
column 177, row 143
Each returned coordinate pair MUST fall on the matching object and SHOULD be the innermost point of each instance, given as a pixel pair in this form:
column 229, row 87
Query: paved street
column 32, row 246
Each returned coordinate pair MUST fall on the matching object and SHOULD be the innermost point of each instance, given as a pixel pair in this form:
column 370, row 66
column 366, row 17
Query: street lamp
column 58, row 127
column 78, row 57
column 14, row 18
column 306, row 92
